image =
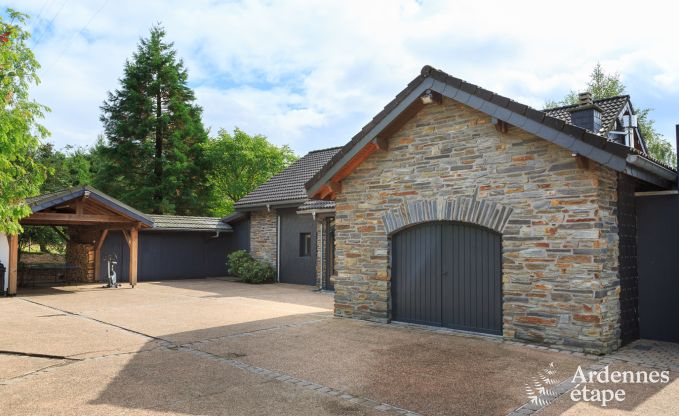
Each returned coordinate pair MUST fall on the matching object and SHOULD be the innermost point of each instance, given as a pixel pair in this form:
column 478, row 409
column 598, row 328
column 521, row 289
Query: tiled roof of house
column 316, row 204
column 182, row 223
column 611, row 108
column 288, row 186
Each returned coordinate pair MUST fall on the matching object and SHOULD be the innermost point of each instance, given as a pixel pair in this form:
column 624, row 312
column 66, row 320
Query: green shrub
column 237, row 261
column 242, row 265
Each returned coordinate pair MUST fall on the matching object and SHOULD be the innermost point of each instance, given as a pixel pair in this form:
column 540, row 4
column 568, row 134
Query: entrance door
column 329, row 269
column 448, row 274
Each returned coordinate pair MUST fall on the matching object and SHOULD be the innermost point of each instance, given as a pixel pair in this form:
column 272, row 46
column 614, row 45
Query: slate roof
column 185, row 223
column 316, row 204
column 288, row 186
column 41, row 202
column 611, row 108
column 549, row 127
column 234, row 217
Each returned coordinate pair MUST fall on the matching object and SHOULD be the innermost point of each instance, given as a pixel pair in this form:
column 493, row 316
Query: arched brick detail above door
column 467, row 209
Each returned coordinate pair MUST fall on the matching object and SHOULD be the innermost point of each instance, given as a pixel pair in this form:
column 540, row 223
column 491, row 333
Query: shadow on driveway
column 418, row 370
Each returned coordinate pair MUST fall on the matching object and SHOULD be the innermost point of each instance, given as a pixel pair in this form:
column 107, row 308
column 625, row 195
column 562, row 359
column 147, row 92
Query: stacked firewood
column 81, row 255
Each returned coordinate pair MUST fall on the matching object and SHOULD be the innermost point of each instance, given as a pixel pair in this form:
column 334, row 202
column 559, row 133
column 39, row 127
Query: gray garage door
column 297, row 248
column 448, row 274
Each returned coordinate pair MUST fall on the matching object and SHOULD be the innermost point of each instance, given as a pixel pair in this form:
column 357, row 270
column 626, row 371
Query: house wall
column 169, row 255
column 560, row 243
column 264, row 236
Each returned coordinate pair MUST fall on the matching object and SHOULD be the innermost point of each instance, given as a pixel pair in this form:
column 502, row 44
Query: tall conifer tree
column 154, row 136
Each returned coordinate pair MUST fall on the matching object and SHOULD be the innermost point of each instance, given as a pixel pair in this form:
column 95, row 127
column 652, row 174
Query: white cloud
column 312, row 74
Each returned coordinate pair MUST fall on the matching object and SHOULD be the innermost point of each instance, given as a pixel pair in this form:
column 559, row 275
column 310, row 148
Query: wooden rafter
column 55, row 218
column 97, row 254
column 126, row 234
column 501, row 126
column 382, row 143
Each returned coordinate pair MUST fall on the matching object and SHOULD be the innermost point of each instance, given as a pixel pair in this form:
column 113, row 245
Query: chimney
column 586, row 114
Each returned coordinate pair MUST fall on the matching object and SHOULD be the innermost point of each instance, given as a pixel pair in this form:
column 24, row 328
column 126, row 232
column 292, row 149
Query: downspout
column 278, row 248
column 322, row 259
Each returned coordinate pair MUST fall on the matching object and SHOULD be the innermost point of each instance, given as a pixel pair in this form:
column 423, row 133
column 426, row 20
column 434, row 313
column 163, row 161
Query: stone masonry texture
column 264, row 236
column 558, row 222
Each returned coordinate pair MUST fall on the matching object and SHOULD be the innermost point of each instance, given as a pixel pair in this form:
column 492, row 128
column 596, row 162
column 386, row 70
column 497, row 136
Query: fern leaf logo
column 540, row 390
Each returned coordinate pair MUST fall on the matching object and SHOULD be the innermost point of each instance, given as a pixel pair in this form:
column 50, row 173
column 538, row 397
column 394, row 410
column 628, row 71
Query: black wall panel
column 293, row 267
column 658, row 266
column 167, row 255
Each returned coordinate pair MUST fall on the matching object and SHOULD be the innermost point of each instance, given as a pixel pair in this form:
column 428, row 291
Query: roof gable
column 543, row 125
column 53, row 199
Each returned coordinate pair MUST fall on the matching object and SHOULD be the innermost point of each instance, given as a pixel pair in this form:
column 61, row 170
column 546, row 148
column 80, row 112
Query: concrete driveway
column 212, row 347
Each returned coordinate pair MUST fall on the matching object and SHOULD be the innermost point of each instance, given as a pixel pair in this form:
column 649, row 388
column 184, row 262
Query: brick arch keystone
column 469, row 209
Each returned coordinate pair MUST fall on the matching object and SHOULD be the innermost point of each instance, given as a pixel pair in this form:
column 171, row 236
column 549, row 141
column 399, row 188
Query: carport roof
column 53, row 199
column 155, row 222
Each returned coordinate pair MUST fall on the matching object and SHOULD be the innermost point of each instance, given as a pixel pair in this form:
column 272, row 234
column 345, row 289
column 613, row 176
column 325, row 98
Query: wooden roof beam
column 54, row 218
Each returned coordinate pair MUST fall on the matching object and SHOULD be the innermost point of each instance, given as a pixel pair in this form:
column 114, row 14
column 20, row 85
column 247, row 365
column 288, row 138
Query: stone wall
column 560, row 243
column 264, row 236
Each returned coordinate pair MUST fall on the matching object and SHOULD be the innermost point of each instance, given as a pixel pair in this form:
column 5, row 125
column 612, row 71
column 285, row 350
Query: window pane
column 304, row 244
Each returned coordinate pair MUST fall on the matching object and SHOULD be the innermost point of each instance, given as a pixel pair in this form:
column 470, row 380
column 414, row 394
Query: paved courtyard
column 212, row 347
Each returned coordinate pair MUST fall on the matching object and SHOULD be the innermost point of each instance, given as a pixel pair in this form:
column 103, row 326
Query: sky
column 311, row 74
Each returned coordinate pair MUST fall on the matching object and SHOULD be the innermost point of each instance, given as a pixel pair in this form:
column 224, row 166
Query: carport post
column 134, row 246
column 13, row 264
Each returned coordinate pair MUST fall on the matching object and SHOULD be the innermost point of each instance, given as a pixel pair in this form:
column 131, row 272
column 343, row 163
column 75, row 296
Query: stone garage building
column 458, row 207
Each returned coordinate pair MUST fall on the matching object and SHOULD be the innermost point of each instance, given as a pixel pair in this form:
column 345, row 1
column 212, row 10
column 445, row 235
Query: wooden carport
column 89, row 211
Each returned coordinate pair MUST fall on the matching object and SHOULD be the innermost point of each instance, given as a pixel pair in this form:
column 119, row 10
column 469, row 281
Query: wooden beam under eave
column 13, row 269
column 335, row 187
column 126, row 234
column 324, row 192
column 581, row 162
column 381, row 143
column 97, row 255
column 54, row 218
column 134, row 248
column 501, row 126
column 355, row 162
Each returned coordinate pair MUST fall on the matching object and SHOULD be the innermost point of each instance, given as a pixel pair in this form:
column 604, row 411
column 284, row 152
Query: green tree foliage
column 239, row 163
column 68, row 168
column 20, row 131
column 65, row 169
column 603, row 85
column 152, row 157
